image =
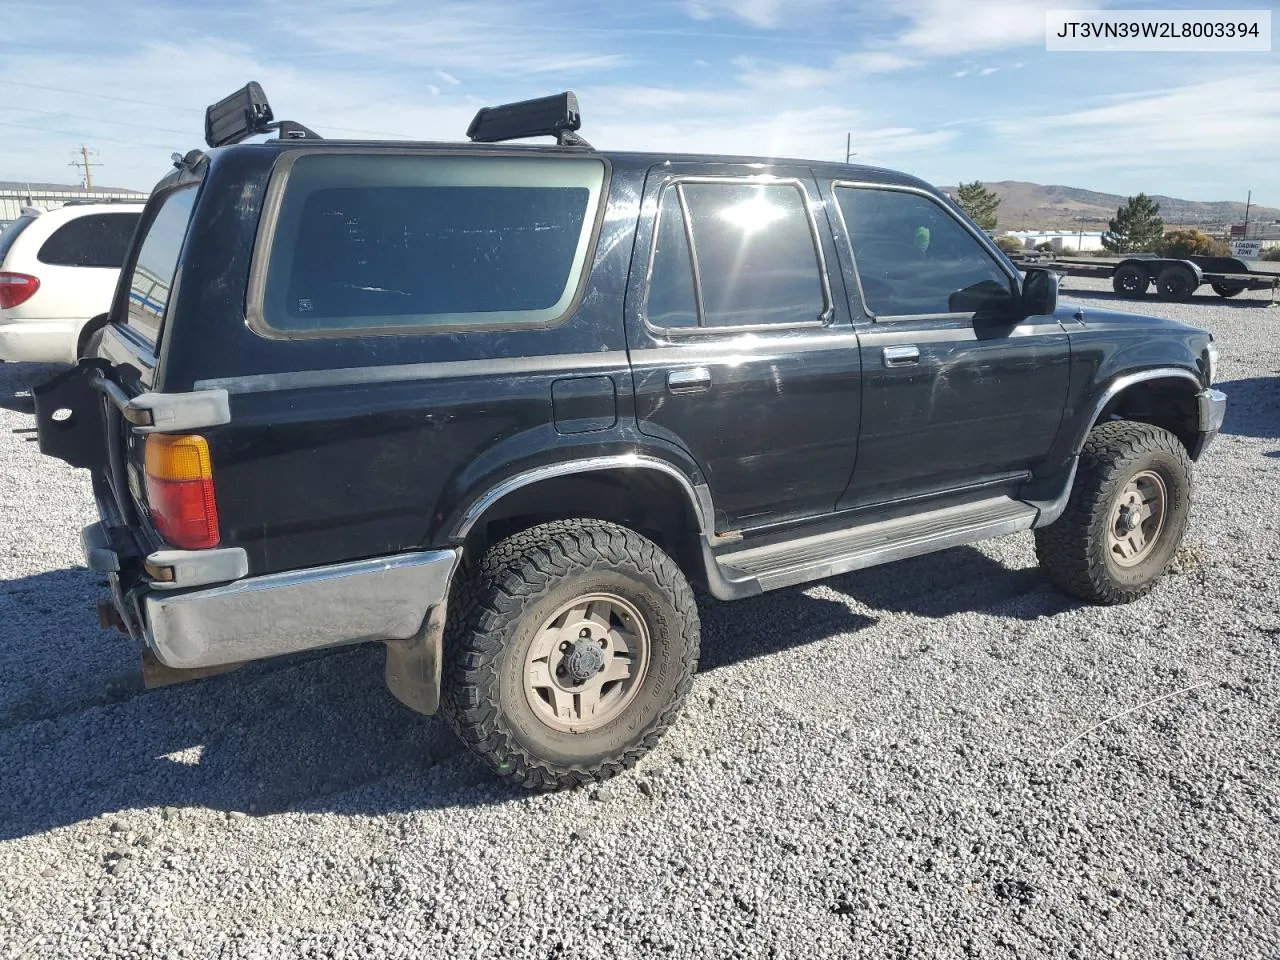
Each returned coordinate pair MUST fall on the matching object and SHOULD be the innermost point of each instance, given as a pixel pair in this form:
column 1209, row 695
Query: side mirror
column 1039, row 292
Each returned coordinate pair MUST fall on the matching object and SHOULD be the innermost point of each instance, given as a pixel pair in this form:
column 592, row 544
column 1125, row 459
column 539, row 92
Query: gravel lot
column 885, row 765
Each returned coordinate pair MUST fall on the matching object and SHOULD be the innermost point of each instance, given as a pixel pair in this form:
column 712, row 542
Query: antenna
column 85, row 162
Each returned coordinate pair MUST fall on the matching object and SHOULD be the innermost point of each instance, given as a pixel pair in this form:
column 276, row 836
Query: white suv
column 58, row 271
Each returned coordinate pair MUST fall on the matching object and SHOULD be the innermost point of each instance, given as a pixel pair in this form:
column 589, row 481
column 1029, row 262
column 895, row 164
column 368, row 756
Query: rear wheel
column 571, row 650
column 1227, row 289
column 1126, row 515
column 1176, row 283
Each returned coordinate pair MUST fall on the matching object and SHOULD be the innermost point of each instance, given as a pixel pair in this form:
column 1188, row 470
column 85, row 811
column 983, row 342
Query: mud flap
column 70, row 416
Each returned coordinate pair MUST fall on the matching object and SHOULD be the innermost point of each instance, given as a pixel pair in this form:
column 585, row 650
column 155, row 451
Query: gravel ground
column 889, row 764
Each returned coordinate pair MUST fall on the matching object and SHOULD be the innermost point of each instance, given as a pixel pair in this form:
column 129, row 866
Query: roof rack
column 246, row 113
column 555, row 116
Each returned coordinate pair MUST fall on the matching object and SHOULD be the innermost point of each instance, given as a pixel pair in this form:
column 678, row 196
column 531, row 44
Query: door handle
column 693, row 380
column 901, row 356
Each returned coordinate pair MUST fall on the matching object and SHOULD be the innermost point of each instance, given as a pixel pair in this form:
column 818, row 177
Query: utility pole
column 1247, row 204
column 848, row 143
column 88, row 165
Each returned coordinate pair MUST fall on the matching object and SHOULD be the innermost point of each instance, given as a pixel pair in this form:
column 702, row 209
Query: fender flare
column 1122, row 383
column 698, row 494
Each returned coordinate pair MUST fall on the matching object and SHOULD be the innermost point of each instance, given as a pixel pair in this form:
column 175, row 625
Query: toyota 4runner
column 498, row 406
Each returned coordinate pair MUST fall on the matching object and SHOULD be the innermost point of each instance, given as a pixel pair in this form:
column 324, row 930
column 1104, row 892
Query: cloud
column 764, row 14
column 961, row 73
column 948, row 28
column 987, row 71
column 772, row 75
column 448, row 78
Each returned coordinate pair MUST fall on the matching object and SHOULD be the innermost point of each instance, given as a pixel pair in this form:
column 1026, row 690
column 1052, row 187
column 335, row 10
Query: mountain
column 1026, row 206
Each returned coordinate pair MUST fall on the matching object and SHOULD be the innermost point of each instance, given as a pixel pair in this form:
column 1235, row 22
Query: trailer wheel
column 1176, row 283
column 1226, row 289
column 1130, row 281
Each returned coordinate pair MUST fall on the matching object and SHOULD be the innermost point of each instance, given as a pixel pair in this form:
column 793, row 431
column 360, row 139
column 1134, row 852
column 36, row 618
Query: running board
column 828, row 554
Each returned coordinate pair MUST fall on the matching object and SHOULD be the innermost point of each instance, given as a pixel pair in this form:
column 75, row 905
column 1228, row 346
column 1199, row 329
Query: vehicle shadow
column 16, row 381
column 1253, row 407
column 80, row 738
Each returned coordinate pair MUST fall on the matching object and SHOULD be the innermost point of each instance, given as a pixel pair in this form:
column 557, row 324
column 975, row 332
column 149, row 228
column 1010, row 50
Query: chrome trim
column 701, row 501
column 197, row 568
column 381, row 599
column 677, row 181
column 439, row 370
column 984, row 241
column 901, row 356
column 685, row 381
column 1120, row 384
column 1213, row 358
column 1212, row 408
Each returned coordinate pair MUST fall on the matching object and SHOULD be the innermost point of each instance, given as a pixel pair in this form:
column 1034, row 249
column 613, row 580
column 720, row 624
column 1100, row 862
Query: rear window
column 394, row 243
column 150, row 284
column 94, row 240
column 10, row 234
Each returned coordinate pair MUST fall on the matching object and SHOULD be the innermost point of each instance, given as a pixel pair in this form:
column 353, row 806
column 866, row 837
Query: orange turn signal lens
column 180, row 457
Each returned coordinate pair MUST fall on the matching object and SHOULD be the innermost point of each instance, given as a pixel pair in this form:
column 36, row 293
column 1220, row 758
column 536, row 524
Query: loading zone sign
column 1246, row 249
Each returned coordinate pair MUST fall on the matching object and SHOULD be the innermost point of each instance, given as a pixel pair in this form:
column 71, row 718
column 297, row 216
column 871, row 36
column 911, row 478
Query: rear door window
column 754, row 258
column 94, row 240
column 394, row 244
column 152, row 278
column 9, row 236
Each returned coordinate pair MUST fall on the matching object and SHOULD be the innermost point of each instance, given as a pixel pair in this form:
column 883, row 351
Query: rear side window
column 754, row 257
column 395, row 243
column 151, row 282
column 94, row 240
column 10, row 235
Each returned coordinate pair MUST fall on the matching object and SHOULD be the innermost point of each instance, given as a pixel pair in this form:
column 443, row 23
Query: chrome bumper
column 1212, row 408
column 387, row 598
column 382, row 599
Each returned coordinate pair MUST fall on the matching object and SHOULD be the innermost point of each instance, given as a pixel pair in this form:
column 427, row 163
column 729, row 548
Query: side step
column 828, row 554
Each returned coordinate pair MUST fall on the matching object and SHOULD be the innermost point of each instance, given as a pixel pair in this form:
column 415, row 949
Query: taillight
column 179, row 481
column 16, row 288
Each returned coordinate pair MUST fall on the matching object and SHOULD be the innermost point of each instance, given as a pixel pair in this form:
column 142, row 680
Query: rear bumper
column 387, row 598
column 1212, row 409
column 39, row 341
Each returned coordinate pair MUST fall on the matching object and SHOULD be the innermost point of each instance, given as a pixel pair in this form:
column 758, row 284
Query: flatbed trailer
column 1173, row 279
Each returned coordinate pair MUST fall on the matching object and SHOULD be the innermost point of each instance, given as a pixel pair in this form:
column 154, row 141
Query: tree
column 1191, row 243
column 979, row 203
column 1009, row 244
column 1136, row 227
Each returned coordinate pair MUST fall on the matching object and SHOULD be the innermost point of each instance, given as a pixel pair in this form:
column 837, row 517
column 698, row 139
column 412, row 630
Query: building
column 49, row 196
column 1062, row 241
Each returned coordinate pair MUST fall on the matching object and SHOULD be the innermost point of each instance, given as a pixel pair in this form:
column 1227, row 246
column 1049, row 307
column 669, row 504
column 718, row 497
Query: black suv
column 500, row 406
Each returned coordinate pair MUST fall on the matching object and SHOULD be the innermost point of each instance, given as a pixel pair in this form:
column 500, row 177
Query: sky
column 948, row 90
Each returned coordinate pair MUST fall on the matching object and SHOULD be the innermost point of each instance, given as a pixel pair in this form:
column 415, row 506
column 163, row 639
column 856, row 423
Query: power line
column 80, row 136
column 167, row 106
column 118, row 123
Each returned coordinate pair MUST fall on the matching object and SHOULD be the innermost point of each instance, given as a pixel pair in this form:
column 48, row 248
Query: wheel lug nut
column 584, row 633
column 603, row 644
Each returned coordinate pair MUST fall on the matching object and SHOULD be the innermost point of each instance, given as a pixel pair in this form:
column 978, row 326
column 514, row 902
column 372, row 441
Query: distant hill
column 1026, row 206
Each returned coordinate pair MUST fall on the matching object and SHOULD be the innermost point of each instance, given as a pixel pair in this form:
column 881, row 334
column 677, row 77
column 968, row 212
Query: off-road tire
column 502, row 602
column 1227, row 289
column 1131, row 281
column 1073, row 550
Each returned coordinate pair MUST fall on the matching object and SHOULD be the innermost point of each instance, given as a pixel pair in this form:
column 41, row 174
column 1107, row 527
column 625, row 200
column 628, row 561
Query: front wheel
column 571, row 651
column 1125, row 517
